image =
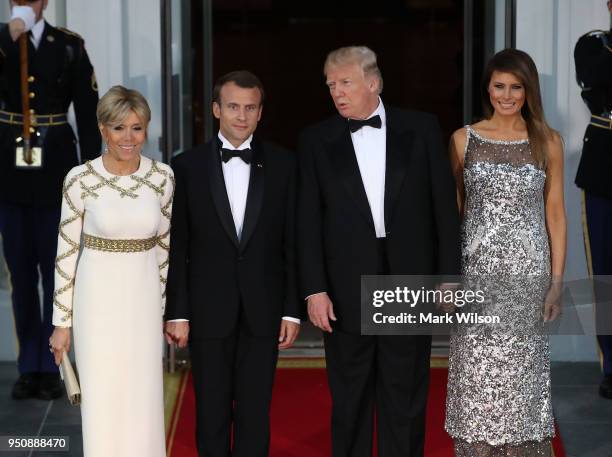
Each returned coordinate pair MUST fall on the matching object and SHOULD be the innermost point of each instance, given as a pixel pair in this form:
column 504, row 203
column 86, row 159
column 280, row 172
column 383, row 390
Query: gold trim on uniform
column 70, row 32
column 36, row 119
column 111, row 245
column 601, row 119
column 597, row 33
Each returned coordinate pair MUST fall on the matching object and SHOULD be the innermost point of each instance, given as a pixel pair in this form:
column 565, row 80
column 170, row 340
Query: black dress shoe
column 26, row 386
column 50, row 386
column 605, row 388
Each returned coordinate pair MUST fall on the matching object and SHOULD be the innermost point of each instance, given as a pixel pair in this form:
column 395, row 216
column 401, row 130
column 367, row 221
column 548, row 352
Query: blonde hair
column 116, row 104
column 361, row 55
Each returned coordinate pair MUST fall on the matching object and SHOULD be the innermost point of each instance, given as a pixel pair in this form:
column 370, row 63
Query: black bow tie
column 245, row 154
column 356, row 124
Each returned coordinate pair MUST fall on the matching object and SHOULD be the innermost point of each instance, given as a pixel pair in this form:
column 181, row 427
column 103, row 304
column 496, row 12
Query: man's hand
column 177, row 332
column 288, row 333
column 59, row 342
column 320, row 311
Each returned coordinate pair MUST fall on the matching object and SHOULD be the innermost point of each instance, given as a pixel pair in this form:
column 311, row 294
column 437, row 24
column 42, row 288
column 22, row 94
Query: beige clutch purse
column 70, row 381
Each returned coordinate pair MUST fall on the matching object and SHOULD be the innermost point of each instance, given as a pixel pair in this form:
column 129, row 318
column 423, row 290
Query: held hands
column 320, row 311
column 288, row 333
column 59, row 342
column 177, row 332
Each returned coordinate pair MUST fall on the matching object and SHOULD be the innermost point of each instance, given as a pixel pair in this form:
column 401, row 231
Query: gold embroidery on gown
column 110, row 281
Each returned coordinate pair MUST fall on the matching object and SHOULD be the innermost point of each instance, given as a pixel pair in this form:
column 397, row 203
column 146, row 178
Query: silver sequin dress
column 498, row 401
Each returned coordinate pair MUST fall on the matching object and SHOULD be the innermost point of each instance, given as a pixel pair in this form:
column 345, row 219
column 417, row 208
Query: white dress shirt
column 37, row 32
column 370, row 146
column 371, row 151
column 236, row 173
column 37, row 29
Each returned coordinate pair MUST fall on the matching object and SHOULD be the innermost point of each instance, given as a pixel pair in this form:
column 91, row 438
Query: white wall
column 123, row 41
column 548, row 30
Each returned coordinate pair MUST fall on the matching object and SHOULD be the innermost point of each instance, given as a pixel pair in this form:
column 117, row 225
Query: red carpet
column 301, row 411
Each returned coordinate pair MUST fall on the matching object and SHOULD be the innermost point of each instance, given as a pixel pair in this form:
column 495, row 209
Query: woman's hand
column 59, row 342
column 552, row 302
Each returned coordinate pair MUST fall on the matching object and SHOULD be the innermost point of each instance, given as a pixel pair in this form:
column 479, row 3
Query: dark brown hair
column 522, row 66
column 242, row 78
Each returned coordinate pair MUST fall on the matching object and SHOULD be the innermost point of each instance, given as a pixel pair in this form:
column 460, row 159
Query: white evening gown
column 114, row 298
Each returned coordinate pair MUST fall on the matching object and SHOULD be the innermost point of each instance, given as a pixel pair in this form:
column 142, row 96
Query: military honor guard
column 593, row 56
column 43, row 69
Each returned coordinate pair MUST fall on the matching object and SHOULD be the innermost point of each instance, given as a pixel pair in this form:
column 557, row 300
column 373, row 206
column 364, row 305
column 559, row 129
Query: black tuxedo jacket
column 336, row 236
column 212, row 275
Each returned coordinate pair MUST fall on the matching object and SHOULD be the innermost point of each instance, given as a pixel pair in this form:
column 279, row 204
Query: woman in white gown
column 116, row 211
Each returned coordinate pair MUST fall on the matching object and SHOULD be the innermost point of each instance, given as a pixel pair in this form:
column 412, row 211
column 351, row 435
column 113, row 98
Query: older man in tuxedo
column 231, row 280
column 375, row 196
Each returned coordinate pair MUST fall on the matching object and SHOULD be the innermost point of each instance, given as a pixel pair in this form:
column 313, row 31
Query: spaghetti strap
column 468, row 131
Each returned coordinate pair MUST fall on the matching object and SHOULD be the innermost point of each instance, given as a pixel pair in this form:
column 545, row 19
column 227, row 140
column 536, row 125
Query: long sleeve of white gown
column 68, row 244
column 163, row 234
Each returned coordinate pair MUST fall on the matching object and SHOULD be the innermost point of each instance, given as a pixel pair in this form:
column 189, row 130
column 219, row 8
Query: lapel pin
column 50, row 38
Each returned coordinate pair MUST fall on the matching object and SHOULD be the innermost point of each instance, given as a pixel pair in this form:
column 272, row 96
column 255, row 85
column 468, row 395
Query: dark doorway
column 431, row 52
column 419, row 45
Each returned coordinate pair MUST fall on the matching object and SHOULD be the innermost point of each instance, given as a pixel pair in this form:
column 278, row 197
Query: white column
column 123, row 41
column 548, row 30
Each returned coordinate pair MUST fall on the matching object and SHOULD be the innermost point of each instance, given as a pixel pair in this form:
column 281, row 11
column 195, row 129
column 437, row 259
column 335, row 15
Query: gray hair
column 361, row 55
column 116, row 104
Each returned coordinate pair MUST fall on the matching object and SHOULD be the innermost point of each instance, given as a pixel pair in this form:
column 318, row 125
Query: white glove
column 26, row 14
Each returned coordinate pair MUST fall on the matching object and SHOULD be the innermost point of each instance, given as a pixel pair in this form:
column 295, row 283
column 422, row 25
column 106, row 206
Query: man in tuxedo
column 231, row 280
column 375, row 196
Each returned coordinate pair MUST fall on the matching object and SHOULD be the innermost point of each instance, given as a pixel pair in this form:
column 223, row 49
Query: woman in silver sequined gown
column 499, row 401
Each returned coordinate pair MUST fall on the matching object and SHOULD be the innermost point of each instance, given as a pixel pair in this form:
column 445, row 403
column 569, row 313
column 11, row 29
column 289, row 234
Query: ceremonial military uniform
column 593, row 56
column 60, row 73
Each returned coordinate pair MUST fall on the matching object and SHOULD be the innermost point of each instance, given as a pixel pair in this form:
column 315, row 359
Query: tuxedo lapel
column 399, row 142
column 342, row 155
column 255, row 194
column 219, row 192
